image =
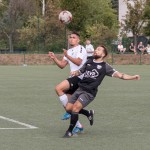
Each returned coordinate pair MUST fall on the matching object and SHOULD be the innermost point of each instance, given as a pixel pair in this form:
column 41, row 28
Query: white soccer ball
column 65, row 17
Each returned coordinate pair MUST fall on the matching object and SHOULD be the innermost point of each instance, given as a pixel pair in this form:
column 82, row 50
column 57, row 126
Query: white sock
column 78, row 124
column 64, row 99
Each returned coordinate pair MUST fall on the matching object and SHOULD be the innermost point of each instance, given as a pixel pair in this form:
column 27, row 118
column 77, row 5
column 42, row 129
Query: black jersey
column 94, row 73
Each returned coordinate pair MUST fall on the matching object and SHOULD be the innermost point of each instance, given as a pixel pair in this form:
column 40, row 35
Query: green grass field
column 122, row 111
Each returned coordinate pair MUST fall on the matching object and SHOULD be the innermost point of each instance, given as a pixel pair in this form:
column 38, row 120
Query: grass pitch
column 122, row 111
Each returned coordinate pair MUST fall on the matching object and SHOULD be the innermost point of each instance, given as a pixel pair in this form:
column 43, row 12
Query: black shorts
column 73, row 81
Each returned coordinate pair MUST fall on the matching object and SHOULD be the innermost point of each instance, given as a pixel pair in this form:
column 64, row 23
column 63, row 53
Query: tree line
column 33, row 25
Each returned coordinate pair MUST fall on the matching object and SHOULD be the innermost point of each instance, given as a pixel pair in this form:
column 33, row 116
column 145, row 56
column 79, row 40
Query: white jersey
column 76, row 52
column 120, row 46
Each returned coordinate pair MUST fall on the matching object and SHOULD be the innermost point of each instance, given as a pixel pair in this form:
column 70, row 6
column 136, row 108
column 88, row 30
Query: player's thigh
column 85, row 98
column 63, row 86
column 73, row 82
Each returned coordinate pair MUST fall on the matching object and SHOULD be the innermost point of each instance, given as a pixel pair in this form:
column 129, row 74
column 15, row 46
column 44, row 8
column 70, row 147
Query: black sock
column 84, row 112
column 69, row 112
column 73, row 121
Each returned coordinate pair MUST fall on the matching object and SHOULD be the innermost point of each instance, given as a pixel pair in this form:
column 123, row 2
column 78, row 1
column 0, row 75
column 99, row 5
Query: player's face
column 88, row 42
column 73, row 40
column 99, row 53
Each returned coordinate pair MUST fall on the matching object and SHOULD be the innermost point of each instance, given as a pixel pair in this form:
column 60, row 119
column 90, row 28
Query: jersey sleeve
column 110, row 70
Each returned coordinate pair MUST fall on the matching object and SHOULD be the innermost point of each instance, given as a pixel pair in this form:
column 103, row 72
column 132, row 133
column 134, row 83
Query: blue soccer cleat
column 78, row 130
column 66, row 116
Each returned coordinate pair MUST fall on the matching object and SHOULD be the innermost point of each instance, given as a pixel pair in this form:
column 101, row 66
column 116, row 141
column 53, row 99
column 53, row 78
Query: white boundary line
column 17, row 122
column 16, row 128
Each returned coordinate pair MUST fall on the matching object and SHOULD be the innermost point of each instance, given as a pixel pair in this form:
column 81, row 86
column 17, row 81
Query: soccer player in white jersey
column 76, row 56
column 94, row 72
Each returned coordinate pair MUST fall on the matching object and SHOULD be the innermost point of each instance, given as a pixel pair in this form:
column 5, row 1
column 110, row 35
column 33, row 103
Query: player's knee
column 58, row 90
column 75, row 109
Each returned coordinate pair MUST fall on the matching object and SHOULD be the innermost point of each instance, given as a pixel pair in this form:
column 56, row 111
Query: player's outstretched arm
column 60, row 63
column 126, row 76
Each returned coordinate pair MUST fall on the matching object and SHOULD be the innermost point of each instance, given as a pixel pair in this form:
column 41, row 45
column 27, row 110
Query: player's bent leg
column 62, row 87
column 74, row 128
column 89, row 114
column 60, row 90
column 73, row 121
column 66, row 115
column 76, row 108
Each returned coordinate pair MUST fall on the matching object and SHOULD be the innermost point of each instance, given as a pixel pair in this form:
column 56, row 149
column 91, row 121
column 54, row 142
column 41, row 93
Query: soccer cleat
column 68, row 134
column 77, row 130
column 66, row 116
column 91, row 117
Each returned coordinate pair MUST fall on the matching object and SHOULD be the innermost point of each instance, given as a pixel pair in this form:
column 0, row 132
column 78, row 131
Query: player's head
column 74, row 39
column 100, row 52
column 88, row 41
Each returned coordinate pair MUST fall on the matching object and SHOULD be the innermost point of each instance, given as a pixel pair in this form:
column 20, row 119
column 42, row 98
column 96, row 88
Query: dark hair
column 76, row 33
column 105, row 50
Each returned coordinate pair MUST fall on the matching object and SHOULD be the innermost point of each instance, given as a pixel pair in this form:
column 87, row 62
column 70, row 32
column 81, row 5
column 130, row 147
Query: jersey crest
column 99, row 66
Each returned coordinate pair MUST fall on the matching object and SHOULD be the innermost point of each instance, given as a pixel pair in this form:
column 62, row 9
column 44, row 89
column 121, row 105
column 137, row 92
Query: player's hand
column 137, row 77
column 74, row 73
column 51, row 55
column 65, row 52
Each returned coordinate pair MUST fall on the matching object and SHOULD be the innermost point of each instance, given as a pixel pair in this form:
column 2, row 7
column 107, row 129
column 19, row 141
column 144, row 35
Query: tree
column 147, row 16
column 102, row 26
column 89, row 16
column 79, row 10
column 43, row 29
column 134, row 18
column 43, row 7
column 43, row 33
column 13, row 17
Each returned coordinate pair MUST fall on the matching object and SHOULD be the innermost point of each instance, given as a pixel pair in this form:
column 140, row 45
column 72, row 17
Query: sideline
column 17, row 122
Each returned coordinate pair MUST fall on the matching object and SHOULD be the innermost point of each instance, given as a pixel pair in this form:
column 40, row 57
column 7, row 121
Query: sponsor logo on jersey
column 91, row 74
column 99, row 66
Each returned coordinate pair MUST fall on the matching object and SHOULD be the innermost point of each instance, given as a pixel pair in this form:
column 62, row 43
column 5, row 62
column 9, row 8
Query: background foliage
column 33, row 25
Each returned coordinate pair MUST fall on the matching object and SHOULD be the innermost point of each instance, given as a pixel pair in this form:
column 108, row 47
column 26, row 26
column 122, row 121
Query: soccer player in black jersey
column 94, row 72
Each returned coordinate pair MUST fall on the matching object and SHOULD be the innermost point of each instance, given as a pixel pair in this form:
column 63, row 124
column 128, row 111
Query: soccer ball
column 65, row 17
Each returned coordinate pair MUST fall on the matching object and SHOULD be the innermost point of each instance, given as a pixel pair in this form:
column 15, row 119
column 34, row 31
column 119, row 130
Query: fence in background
column 43, row 59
